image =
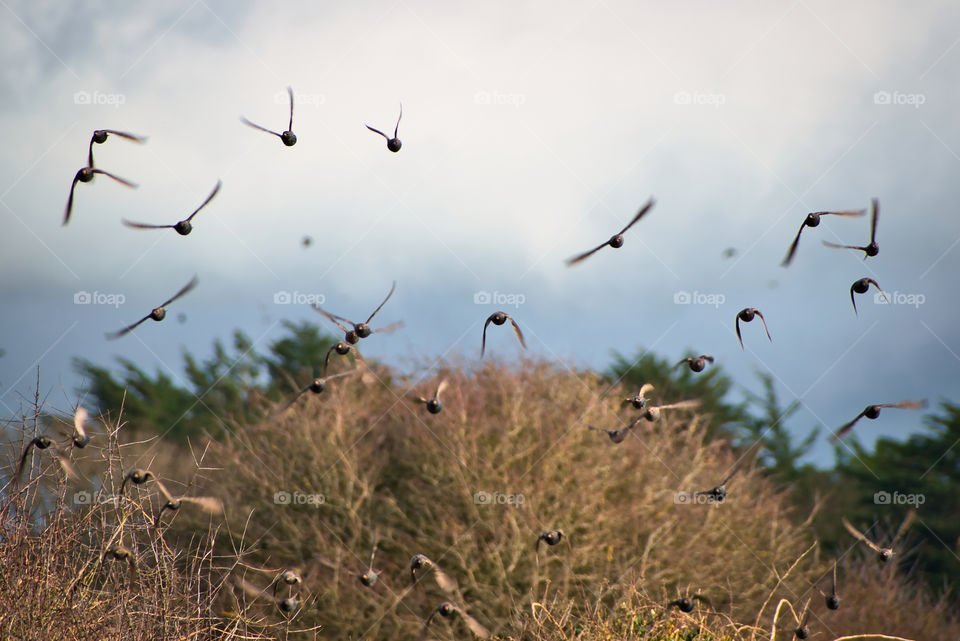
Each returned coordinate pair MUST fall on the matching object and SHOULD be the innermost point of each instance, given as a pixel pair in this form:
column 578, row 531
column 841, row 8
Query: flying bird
column 158, row 314
column 887, row 552
column 393, row 144
column 861, row 287
column 80, row 437
column 833, row 599
column 342, row 349
column 447, row 610
column 208, row 504
column 45, row 443
column 639, row 400
column 686, row 603
column 100, row 136
column 873, row 248
column 499, row 318
column 370, row 576
column 184, row 227
column 317, row 386
column 433, row 404
column 746, row 315
column 288, row 137
column 86, row 175
column 286, row 605
column 120, row 552
column 802, row 631
column 360, row 330
column 719, row 493
column 550, row 537
column 696, row 363
column 616, row 241
column 652, row 413
column 873, row 411
column 444, row 580
column 618, row 435
column 813, row 220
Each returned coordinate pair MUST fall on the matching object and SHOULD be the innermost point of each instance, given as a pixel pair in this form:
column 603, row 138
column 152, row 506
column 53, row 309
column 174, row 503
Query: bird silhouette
column 342, row 348
column 639, row 400
column 80, row 438
column 447, row 610
column 873, row 248
column 85, row 175
column 652, row 412
column 45, row 443
column 885, row 553
column 696, row 363
column 802, row 630
column 287, row 605
column 360, row 330
column 873, row 411
column 369, row 576
column 288, row 137
column 433, row 404
column 615, row 241
column 393, row 144
column 618, row 435
column 499, row 318
column 183, row 227
column 833, row 599
column 317, row 386
column 813, row 220
column 120, row 552
column 719, row 493
column 421, row 562
column 860, row 287
column 746, row 315
column 139, row 476
column 550, row 537
column 158, row 313
column 100, row 136
column 687, row 603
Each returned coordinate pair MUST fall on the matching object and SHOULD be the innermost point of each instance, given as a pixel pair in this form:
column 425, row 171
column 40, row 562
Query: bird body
column 615, row 241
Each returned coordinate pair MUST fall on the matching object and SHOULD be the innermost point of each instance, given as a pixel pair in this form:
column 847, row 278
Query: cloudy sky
column 529, row 135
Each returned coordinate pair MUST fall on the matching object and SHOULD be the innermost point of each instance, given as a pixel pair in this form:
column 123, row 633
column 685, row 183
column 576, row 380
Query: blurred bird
column 393, row 144
column 873, row 411
column 140, row 476
column 433, row 404
column 45, row 443
column 184, row 227
column 696, row 363
column 719, row 493
column 861, row 287
column 421, row 562
column 686, row 603
column 100, row 136
column 361, row 330
column 833, row 599
column 802, row 631
column 85, row 175
column 813, row 220
column 158, row 314
column 447, row 610
column 287, row 605
column 746, row 315
column 137, row 476
column 887, row 552
column 616, row 241
column 342, row 349
column 317, row 386
column 652, row 413
column 120, row 552
column 873, row 248
column 288, row 137
column 499, row 318
column 370, row 576
column 618, row 435
column 639, row 400
column 550, row 537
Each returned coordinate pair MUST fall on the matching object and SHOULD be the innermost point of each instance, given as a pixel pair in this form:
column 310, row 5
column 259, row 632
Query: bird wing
column 907, row 522
column 397, row 128
column 120, row 180
column 739, row 337
column 793, row 246
column 392, row 327
column 516, row 329
column 442, row 386
column 294, row 400
column 392, row 289
column 209, row 504
column 846, row 427
column 646, row 387
column 874, row 217
column 69, row 209
column 586, row 254
column 79, row 418
column 256, row 126
column 163, row 490
column 681, row 405
column 444, row 580
column 836, row 246
column 290, row 91
column 123, row 134
column 378, row 131
column 333, row 318
column 764, row 321
column 643, row 210
column 475, row 626
column 853, row 299
column 128, row 328
column 907, row 405
column 857, row 534
column 207, row 201
column 186, row 288
column 483, row 343
column 134, row 225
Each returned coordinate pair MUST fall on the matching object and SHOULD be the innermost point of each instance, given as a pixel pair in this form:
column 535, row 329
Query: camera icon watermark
column 899, row 98
column 900, row 298
column 99, row 98
column 715, row 100
column 284, row 297
column 98, row 298
column 684, row 297
column 283, row 497
column 695, row 498
column 498, row 498
column 498, row 99
column 882, row 497
column 483, row 297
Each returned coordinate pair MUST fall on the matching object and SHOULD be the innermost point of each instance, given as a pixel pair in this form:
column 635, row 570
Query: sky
column 529, row 135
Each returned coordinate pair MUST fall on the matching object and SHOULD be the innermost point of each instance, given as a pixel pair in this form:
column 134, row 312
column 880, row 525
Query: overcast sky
column 529, row 135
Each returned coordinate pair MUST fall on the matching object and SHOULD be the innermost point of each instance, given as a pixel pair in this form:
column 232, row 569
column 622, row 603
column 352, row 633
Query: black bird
column 686, row 603
column 137, row 476
column 885, row 553
column 873, row 248
column 288, row 137
column 444, row 580
column 499, row 318
column 393, row 144
column 833, row 599
column 370, row 576
column 342, row 349
column 100, row 136
column 80, row 438
column 45, row 443
column 184, row 227
column 433, row 404
column 550, row 537
column 616, row 436
column 719, row 493
column 158, row 314
column 813, row 220
column 639, row 400
column 616, row 241
column 447, row 610
column 746, row 315
column 802, row 631
column 696, row 363
column 361, row 330
column 317, row 386
column 861, row 287
column 652, row 413
column 140, row 476
column 873, row 411
column 86, row 175
column 120, row 552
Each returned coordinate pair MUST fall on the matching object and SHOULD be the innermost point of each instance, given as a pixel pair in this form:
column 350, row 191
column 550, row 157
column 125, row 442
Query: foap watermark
column 897, row 498
column 899, row 98
column 98, row 98
column 715, row 100
column 499, row 99
column 694, row 498
column 498, row 498
column 315, row 99
column 282, row 497
column 84, row 497
column 98, row 298
column 684, row 297
column 483, row 297
column 899, row 298
column 283, row 297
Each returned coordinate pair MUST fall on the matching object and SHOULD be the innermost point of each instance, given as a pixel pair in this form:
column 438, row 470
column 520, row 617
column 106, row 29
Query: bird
column 360, row 330
column 860, row 287
column 80, row 438
column 550, row 537
column 158, row 314
column 802, row 631
column 286, row 605
column 652, row 413
column 447, row 610
column 184, row 227
column 873, row 411
column 100, row 136
column 140, row 476
column 45, row 443
column 342, row 348
column 421, row 562
column 686, row 603
column 499, row 318
column 833, row 599
column 719, row 493
column 616, row 241
column 885, row 553
column 393, row 144
column 433, row 404
column 616, row 436
column 288, row 137
column 696, row 363
column 317, row 386
column 873, row 248
column 639, row 400
column 369, row 576
column 85, row 175
column 120, row 552
column 813, row 220
column 137, row 476
column 746, row 315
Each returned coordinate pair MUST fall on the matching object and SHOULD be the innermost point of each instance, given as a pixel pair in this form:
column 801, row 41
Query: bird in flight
column 393, row 144
column 618, row 435
column 499, row 318
column 873, row 411
column 719, row 493
column 873, row 248
column 183, row 227
column 87, row 174
column 550, row 537
column 45, row 443
column 343, row 349
column 288, row 137
column 860, row 287
column 317, row 386
column 652, row 413
column 885, row 553
column 746, row 315
column 813, row 220
column 360, row 330
column 422, row 562
column 447, row 610
column 433, row 404
column 615, row 241
column 686, row 603
column 833, row 599
column 370, row 576
column 696, row 363
column 158, row 313
column 639, row 400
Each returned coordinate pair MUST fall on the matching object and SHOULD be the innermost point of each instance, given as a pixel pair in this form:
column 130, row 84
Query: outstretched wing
column 857, row 534
column 213, row 193
column 186, row 288
column 643, row 210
